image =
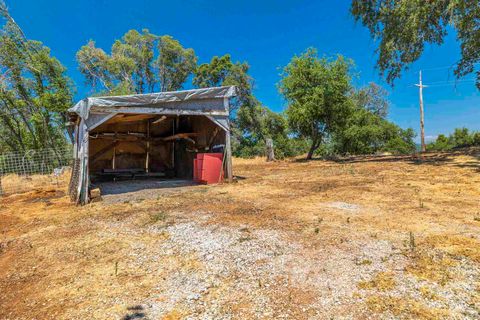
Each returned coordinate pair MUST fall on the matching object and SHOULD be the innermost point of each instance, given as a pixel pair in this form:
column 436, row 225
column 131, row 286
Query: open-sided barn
column 153, row 135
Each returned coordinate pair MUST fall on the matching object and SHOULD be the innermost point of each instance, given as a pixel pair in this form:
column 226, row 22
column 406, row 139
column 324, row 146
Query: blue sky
column 266, row 34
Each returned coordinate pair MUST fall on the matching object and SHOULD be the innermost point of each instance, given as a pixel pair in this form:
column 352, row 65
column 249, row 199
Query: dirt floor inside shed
column 364, row 238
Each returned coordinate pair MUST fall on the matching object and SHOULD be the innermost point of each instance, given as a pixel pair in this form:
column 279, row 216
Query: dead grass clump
column 427, row 293
column 14, row 183
column 174, row 315
column 456, row 245
column 438, row 255
column 432, row 266
column 383, row 281
column 405, row 308
column 159, row 216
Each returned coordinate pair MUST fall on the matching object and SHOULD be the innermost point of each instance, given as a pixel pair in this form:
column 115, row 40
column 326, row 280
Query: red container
column 207, row 168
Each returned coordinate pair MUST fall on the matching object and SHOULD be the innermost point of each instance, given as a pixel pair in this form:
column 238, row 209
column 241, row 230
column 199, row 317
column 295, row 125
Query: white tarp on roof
column 208, row 101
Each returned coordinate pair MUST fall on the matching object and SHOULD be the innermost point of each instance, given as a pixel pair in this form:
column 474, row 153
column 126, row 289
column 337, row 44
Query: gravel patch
column 134, row 190
column 344, row 206
column 259, row 268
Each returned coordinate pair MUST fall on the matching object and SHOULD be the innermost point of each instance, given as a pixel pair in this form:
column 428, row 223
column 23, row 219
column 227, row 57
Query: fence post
column 270, row 152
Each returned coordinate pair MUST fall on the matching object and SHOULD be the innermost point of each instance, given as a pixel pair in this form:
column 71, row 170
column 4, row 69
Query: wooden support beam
column 181, row 136
column 103, row 151
column 214, row 135
column 159, row 120
column 147, row 151
column 131, row 118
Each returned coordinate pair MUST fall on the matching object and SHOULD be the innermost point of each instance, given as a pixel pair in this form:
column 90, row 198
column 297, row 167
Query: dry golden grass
column 383, row 281
column 57, row 259
column 405, row 308
column 14, row 183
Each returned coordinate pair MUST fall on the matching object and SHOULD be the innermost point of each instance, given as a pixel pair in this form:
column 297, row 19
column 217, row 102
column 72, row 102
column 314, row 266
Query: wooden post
column 113, row 157
column 173, row 144
column 422, row 122
column 147, row 157
column 228, row 154
column 270, row 152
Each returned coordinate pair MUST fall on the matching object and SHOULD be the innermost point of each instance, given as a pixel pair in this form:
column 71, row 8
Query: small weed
column 244, row 239
column 363, row 262
column 351, row 170
column 412, row 242
column 317, row 230
column 476, row 218
column 158, row 216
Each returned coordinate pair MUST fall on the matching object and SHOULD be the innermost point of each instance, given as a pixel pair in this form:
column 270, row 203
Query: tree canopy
column 403, row 28
column 460, row 138
column 317, row 92
column 34, row 92
column 373, row 98
column 138, row 63
column 222, row 71
column 368, row 133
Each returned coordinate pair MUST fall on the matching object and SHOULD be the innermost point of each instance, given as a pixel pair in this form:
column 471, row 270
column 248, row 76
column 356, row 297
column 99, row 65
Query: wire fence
column 34, row 170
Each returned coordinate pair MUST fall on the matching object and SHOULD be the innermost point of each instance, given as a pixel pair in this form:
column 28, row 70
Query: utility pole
column 422, row 122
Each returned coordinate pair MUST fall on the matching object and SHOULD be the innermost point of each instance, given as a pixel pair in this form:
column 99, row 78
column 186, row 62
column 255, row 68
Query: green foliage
column 368, row 133
column 441, row 144
column 138, row 63
column 317, row 92
column 174, row 63
column 251, row 123
column 404, row 27
column 401, row 142
column 34, row 92
column 256, row 125
column 221, row 71
column 460, row 138
column 476, row 139
column 373, row 98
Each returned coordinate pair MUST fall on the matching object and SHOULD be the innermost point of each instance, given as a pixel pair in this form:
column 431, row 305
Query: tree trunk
column 270, row 152
column 315, row 144
column 311, row 151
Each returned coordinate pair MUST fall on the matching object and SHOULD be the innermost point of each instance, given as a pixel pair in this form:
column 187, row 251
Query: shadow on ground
column 429, row 158
column 134, row 312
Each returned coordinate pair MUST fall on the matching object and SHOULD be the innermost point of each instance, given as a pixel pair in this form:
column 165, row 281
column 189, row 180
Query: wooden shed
column 153, row 135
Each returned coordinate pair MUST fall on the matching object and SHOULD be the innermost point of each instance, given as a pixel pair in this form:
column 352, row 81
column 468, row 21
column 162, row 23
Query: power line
column 452, row 81
column 445, row 67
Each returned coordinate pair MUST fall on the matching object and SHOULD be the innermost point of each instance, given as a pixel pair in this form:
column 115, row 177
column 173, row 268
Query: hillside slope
column 365, row 237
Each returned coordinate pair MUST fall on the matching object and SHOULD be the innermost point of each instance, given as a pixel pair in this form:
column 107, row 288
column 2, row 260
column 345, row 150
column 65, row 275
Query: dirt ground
column 363, row 238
